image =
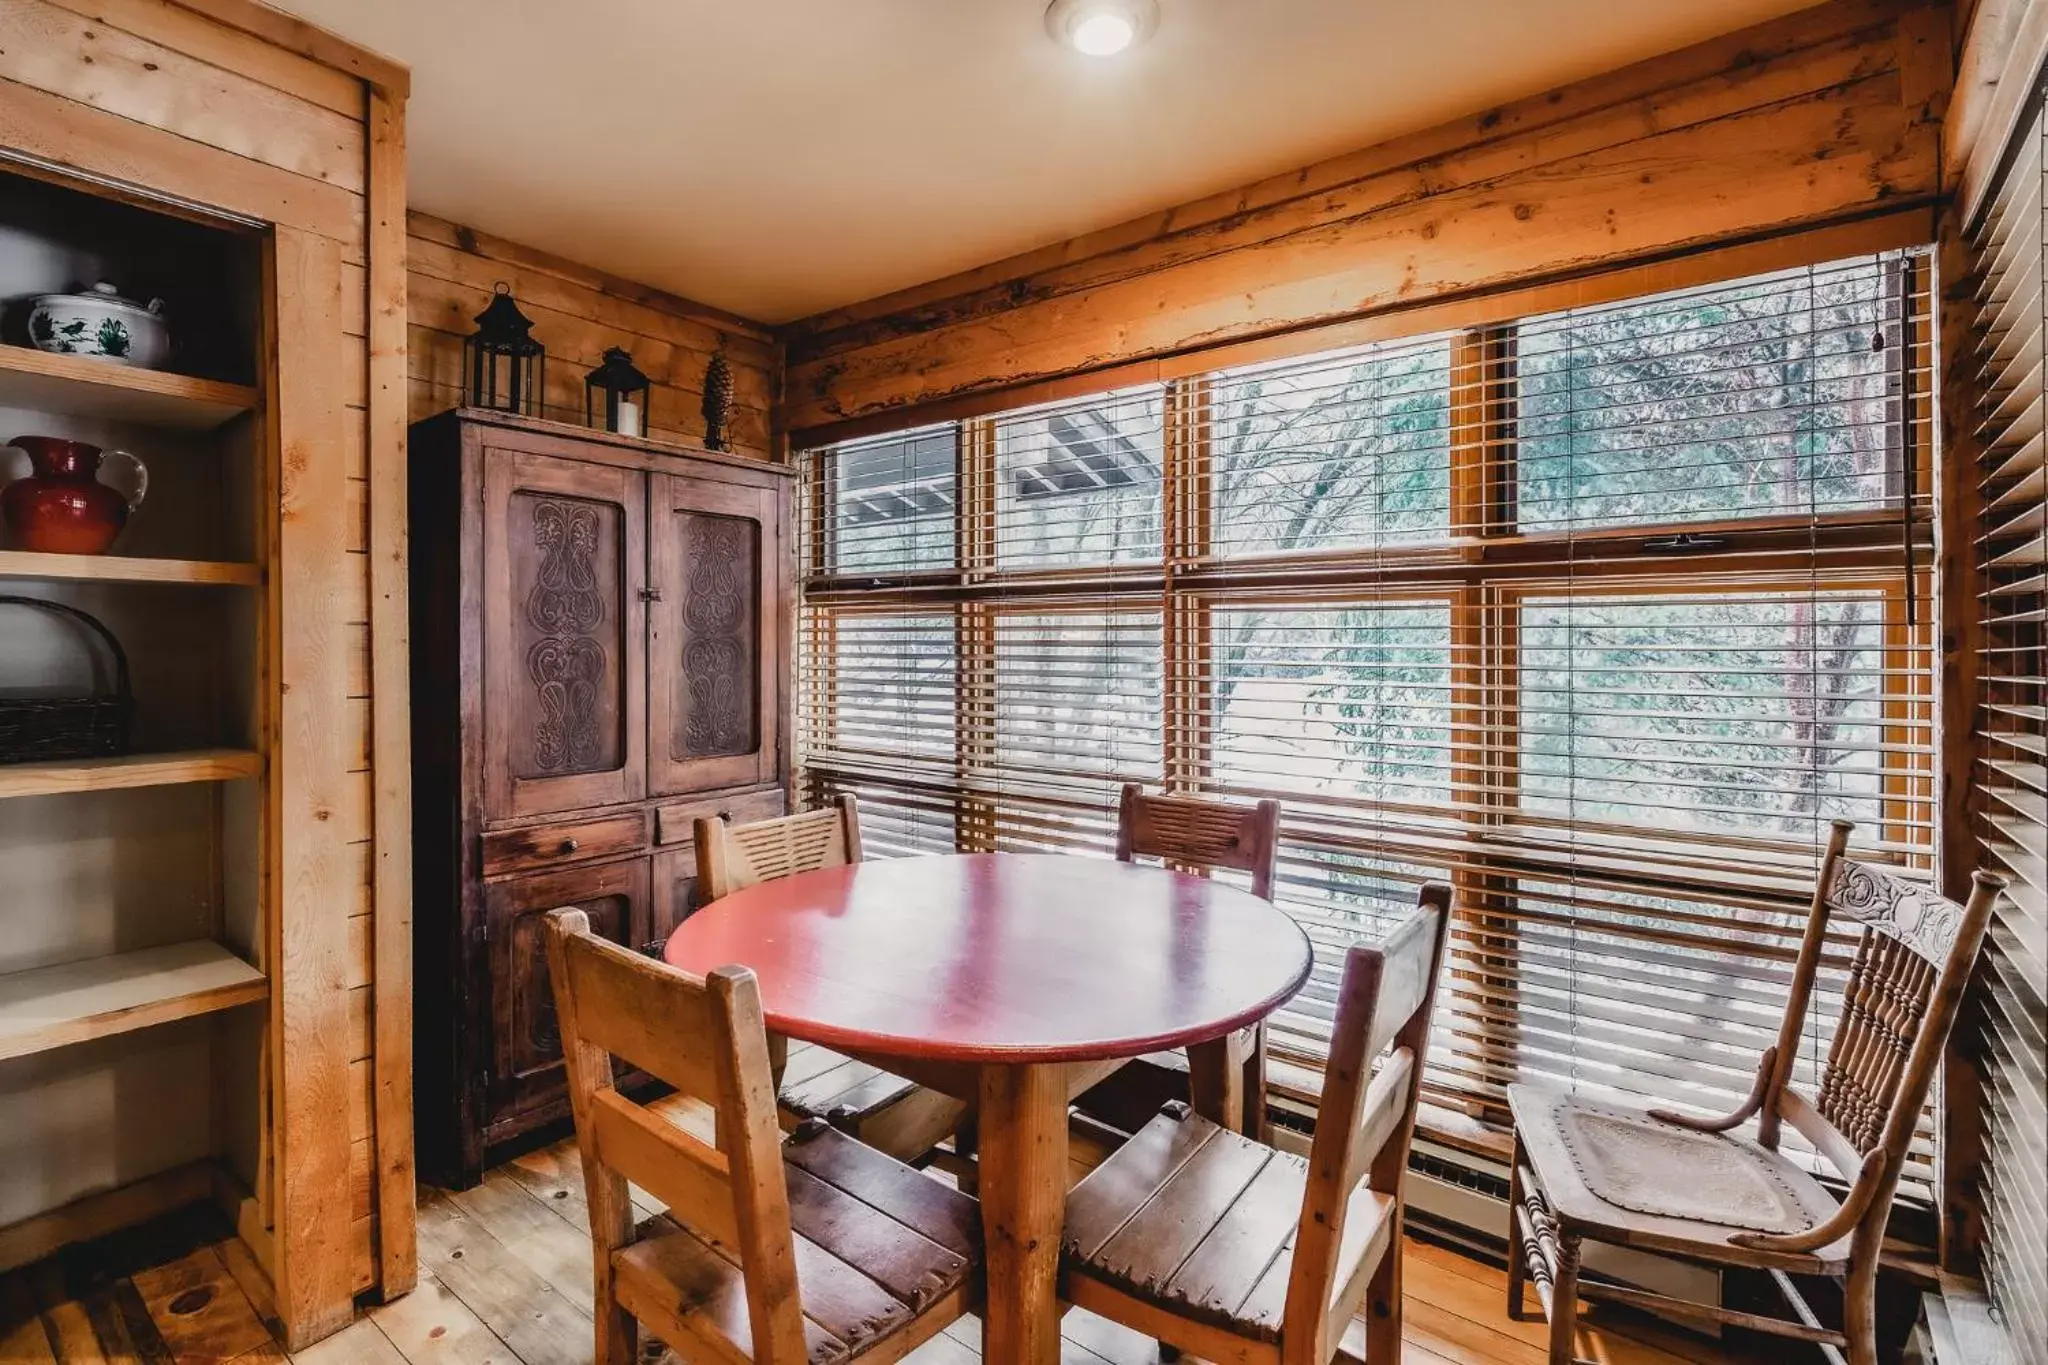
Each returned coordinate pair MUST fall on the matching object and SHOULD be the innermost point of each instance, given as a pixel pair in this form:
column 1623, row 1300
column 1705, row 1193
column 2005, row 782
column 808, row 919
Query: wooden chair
column 883, row 1110
column 1224, row 1248
column 1197, row 833
column 814, row 1252
column 1579, row 1165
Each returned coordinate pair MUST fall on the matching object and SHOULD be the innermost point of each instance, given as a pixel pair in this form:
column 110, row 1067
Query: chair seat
column 1200, row 1221
column 885, row 1111
column 876, row 1243
column 1619, row 1174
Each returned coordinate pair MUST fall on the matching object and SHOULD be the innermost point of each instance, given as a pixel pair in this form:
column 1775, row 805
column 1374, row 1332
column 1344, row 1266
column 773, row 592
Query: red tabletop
column 1001, row 957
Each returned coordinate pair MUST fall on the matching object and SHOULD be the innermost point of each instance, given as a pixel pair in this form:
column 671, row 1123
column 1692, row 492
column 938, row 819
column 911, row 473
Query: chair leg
column 1256, row 1126
column 1859, row 1317
column 1383, row 1307
column 1517, row 1267
column 1564, row 1302
column 966, row 1142
column 618, row 1336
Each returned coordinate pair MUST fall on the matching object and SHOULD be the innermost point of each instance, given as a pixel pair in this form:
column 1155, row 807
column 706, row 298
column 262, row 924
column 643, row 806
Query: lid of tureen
column 102, row 294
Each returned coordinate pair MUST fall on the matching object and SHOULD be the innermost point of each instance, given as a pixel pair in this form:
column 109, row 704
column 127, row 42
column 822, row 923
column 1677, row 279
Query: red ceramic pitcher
column 61, row 507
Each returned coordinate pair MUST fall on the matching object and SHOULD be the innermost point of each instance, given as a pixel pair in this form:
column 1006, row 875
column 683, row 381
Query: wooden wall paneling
column 1834, row 117
column 47, row 45
column 438, row 231
column 579, row 312
column 227, row 107
column 281, row 30
column 56, row 129
column 169, row 25
column 313, row 1265
column 391, row 712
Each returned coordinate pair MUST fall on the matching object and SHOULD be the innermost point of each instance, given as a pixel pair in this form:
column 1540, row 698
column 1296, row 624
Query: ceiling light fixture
column 1101, row 28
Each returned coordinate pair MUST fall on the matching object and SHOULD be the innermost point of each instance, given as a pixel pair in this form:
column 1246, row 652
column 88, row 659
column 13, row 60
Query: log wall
column 1829, row 114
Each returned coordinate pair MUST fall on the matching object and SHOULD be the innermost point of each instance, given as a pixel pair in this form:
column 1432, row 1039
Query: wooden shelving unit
column 142, row 886
column 81, row 386
column 126, row 569
column 128, row 770
column 76, row 1002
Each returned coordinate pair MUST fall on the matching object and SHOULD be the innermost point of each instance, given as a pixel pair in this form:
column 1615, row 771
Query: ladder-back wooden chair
column 881, row 1109
column 1684, row 1186
column 887, row 1256
column 1222, row 1247
column 1198, row 833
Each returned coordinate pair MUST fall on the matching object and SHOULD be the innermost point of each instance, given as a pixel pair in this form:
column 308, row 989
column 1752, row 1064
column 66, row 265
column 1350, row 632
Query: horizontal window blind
column 2011, row 785
column 1602, row 616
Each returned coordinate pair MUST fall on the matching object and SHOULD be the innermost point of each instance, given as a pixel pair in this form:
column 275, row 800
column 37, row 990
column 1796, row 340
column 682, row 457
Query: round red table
column 1014, row 982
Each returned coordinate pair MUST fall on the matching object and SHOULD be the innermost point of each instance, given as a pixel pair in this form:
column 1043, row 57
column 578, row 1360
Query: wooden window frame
column 1483, row 571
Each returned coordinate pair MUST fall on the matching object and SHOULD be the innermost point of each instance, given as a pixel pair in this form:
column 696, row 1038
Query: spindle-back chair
column 1571, row 1180
column 881, row 1109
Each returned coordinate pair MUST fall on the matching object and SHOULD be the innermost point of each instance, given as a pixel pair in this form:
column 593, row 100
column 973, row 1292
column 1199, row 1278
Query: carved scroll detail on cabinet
column 720, row 569
column 566, row 665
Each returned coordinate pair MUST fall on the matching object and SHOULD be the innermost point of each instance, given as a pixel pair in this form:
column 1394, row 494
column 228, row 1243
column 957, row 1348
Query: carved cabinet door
column 526, row 1066
column 714, row 634
column 564, row 694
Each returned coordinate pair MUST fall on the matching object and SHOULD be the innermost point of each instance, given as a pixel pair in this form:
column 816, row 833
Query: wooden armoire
column 599, row 658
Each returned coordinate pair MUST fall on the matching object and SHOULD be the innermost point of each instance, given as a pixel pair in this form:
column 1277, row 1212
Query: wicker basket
column 42, row 728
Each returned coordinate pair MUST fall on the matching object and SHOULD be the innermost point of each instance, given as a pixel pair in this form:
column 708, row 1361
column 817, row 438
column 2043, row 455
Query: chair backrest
column 1194, row 832
column 1365, row 1122
column 1913, row 958
column 730, row 857
column 705, row 1037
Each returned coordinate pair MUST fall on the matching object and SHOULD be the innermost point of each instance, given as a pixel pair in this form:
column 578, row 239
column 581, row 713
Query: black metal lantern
column 507, row 368
column 624, row 404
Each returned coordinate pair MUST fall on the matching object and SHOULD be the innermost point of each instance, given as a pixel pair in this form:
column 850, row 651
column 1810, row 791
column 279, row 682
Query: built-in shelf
column 87, row 387
column 124, row 569
column 128, row 770
column 51, row 1007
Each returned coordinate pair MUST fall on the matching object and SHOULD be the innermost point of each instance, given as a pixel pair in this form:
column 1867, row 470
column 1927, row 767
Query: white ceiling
column 779, row 157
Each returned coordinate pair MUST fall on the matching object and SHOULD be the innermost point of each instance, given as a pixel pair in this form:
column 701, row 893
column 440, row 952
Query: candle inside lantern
column 629, row 417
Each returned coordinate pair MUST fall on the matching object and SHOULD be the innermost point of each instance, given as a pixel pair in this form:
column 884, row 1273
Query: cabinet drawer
column 572, row 841
column 677, row 823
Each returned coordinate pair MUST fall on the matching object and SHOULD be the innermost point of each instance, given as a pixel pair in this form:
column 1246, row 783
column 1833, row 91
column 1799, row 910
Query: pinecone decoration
column 718, row 403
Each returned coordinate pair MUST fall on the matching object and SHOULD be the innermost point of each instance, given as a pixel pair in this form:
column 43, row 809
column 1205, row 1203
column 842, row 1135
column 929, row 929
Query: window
column 2009, row 806
column 1601, row 615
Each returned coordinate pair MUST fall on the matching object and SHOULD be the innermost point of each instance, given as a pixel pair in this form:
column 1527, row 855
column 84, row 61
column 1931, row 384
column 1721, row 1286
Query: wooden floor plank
column 505, row 1280
column 359, row 1343
column 554, row 1175
column 431, row 1326
column 539, row 1323
column 199, row 1309
column 23, row 1340
column 549, row 1246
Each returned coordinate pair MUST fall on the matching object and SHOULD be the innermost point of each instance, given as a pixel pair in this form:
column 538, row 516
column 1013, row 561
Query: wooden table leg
column 1216, row 1081
column 1023, row 1133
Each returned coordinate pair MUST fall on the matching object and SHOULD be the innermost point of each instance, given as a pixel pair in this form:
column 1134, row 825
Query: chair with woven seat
column 1198, row 833
column 1686, row 1187
column 1222, row 1247
column 883, row 1110
column 817, row 1251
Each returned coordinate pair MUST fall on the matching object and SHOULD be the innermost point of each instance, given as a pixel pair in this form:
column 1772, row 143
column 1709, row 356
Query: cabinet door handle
column 567, row 846
column 650, row 594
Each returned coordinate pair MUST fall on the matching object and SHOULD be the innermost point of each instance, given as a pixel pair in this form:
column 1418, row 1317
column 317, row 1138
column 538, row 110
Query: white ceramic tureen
column 102, row 324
